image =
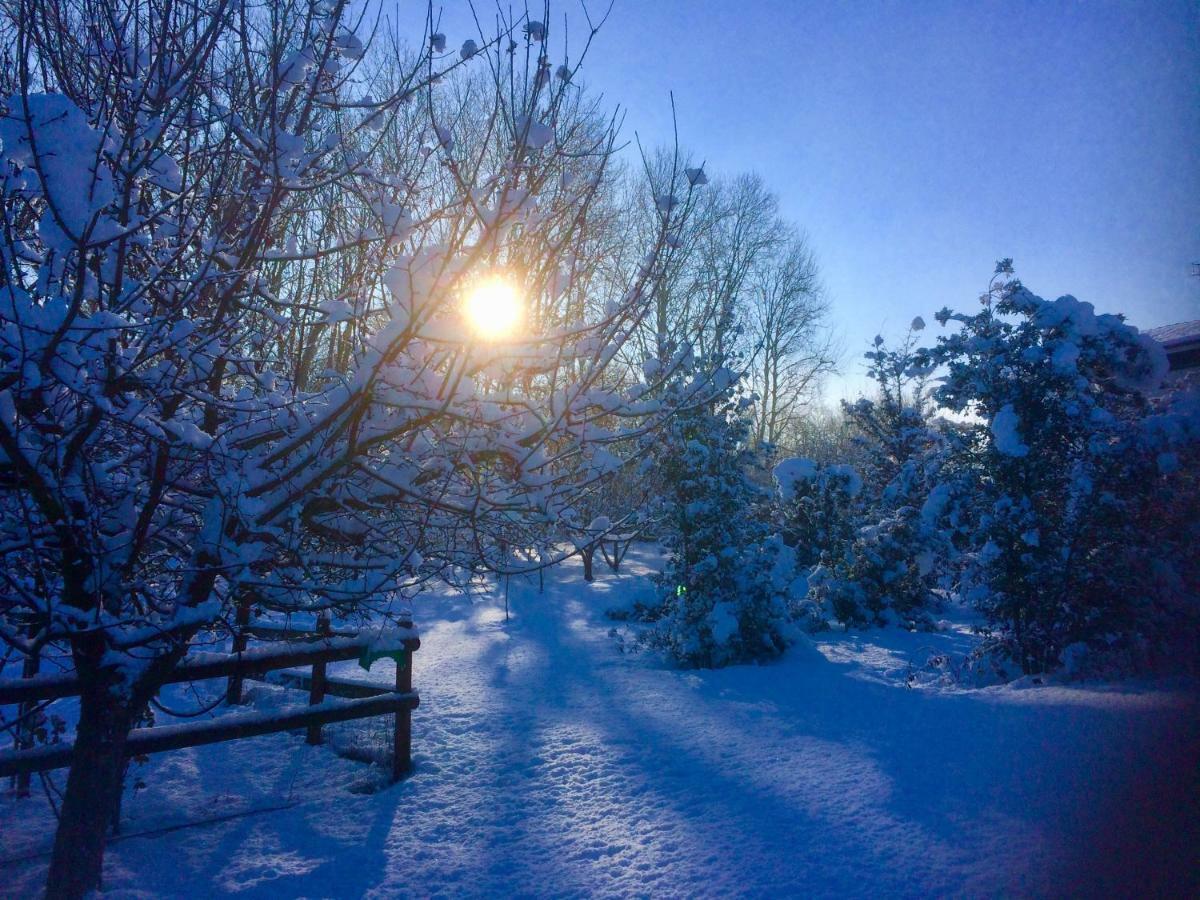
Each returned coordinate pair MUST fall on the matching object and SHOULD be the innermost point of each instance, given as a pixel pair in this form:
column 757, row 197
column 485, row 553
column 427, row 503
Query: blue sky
column 918, row 142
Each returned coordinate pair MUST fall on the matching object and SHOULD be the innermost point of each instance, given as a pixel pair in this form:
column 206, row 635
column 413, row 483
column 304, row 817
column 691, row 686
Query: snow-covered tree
column 1056, row 463
column 893, row 431
column 890, row 565
column 725, row 593
column 861, row 558
column 237, row 245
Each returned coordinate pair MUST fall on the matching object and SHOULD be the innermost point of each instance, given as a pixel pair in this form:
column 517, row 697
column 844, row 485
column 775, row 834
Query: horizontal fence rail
column 337, row 687
column 208, row 665
column 225, row 728
column 316, row 649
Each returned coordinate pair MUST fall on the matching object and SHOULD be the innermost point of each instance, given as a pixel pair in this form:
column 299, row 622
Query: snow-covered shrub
column 738, row 610
column 1164, row 561
column 724, row 595
column 890, row 561
column 893, row 431
column 884, row 575
column 818, row 507
column 864, row 559
column 1060, row 464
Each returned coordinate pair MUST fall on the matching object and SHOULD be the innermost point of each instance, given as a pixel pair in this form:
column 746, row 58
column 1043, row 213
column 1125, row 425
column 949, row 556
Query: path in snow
column 550, row 764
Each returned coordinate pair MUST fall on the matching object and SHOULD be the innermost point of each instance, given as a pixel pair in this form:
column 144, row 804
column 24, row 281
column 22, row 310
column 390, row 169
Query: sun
column 493, row 309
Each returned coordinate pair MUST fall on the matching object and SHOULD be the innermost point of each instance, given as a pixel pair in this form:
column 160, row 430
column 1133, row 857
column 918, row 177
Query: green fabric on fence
column 369, row 656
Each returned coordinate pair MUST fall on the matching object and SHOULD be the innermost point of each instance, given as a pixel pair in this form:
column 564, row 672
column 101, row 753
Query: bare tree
column 793, row 347
column 736, row 278
column 745, row 235
column 825, row 435
column 728, row 230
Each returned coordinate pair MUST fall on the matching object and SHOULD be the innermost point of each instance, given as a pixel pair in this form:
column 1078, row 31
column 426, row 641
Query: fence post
column 233, row 691
column 316, row 692
column 402, row 739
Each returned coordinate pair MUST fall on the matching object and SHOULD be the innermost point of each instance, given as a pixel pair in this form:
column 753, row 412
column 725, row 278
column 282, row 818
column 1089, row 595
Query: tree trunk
column 25, row 729
column 93, row 795
column 588, row 553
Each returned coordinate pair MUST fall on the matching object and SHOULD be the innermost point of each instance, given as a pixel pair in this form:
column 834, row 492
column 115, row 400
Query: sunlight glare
column 493, row 309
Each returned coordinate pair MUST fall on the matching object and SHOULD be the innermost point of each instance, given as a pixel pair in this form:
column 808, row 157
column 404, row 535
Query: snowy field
column 551, row 764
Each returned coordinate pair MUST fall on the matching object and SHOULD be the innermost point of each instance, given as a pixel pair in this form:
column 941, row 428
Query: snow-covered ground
column 550, row 763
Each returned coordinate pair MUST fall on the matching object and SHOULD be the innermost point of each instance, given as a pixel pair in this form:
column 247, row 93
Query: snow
column 666, row 202
column 852, row 481
column 336, row 310
column 65, row 160
column 1005, row 434
column 935, row 504
column 790, row 471
column 724, row 622
column 350, row 45
column 1064, row 357
column 1168, row 463
column 549, row 763
column 533, row 134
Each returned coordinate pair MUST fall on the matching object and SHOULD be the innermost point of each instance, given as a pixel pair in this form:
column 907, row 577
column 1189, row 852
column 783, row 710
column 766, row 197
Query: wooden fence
column 319, row 649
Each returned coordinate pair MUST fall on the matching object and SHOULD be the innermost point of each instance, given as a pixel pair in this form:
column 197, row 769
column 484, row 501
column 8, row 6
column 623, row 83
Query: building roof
column 1176, row 335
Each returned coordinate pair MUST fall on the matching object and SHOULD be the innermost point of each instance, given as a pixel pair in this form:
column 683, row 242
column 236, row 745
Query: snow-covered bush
column 725, row 593
column 891, row 559
column 818, row 507
column 894, row 436
column 1062, row 467
column 885, row 574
